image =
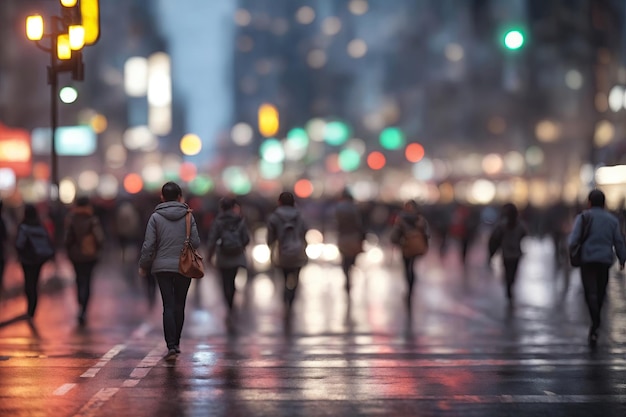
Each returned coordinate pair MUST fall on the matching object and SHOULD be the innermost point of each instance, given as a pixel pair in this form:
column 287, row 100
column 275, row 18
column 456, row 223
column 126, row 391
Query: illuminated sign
column 15, row 150
column 70, row 141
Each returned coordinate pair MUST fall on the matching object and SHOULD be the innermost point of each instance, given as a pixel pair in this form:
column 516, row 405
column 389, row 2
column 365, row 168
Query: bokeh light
column 303, row 188
column 190, row 144
column 133, row 183
column 414, row 152
column 376, row 160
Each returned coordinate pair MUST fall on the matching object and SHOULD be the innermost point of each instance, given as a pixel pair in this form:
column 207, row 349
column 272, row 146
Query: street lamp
column 78, row 25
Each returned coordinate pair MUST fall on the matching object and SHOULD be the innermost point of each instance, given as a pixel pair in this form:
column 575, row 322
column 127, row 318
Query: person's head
column 82, row 201
column 286, row 199
column 510, row 213
column 171, row 192
column 411, row 206
column 30, row 214
column 346, row 195
column 596, row 198
column 228, row 203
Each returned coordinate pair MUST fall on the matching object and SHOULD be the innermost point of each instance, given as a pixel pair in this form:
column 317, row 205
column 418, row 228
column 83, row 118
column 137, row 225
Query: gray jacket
column 165, row 235
column 604, row 235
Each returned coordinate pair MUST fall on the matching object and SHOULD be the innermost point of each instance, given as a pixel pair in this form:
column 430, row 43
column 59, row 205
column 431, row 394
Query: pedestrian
column 351, row 234
column 411, row 233
column 34, row 248
column 228, row 238
column 286, row 236
column 84, row 238
column 602, row 239
column 164, row 238
column 506, row 237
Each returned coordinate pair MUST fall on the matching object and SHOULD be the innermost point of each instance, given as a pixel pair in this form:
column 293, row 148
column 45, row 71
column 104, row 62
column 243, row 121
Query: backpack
column 230, row 243
column 88, row 242
column 290, row 250
column 415, row 242
column 41, row 245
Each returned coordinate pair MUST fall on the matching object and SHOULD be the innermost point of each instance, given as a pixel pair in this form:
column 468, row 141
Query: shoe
column 171, row 355
column 593, row 337
column 177, row 349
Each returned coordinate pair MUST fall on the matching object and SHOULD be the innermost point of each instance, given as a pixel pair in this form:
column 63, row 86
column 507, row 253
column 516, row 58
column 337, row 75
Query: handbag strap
column 188, row 224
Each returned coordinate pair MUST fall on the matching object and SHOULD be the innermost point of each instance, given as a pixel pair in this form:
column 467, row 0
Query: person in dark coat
column 84, row 238
column 507, row 237
column 165, row 235
column 350, row 234
column 34, row 247
column 281, row 223
column 228, row 238
column 407, row 221
column 602, row 242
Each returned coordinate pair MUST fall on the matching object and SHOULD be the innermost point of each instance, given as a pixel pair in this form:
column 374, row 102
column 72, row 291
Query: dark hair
column 510, row 214
column 347, row 194
column 596, row 198
column 171, row 191
column 412, row 205
column 82, row 201
column 227, row 203
column 286, row 199
column 31, row 217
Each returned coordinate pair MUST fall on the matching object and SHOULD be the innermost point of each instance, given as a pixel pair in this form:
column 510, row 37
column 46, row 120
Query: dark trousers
column 595, row 278
column 84, row 272
column 291, row 278
column 347, row 262
column 409, row 275
column 228, row 285
column 174, row 288
column 510, row 273
column 31, row 280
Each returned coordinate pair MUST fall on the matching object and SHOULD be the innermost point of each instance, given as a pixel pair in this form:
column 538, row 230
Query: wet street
column 462, row 351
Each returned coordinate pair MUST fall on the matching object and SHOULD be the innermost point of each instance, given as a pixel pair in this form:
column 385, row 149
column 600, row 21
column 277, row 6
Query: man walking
column 601, row 235
column 286, row 235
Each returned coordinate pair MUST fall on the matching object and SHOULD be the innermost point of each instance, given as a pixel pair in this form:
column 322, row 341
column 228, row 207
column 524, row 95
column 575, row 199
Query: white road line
column 106, row 358
column 146, row 365
column 63, row 389
column 97, row 401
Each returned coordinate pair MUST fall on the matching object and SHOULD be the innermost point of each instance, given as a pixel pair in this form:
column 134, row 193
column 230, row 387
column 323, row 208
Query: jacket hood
column 172, row 210
column 287, row 212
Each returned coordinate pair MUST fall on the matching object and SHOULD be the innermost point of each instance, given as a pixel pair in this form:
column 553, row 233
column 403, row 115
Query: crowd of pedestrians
column 225, row 233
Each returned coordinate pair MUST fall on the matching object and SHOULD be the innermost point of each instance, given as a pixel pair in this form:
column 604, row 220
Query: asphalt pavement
column 461, row 350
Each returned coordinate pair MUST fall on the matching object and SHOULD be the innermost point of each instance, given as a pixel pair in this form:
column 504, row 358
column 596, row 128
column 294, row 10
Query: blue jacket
column 604, row 236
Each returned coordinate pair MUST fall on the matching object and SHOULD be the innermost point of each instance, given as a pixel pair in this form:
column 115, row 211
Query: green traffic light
column 514, row 39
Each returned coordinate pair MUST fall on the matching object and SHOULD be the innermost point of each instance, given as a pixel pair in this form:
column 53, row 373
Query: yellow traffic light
column 64, row 52
column 34, row 27
column 268, row 120
column 77, row 37
column 90, row 13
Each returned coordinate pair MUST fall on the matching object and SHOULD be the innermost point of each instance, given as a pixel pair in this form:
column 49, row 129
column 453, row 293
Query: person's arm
column 149, row 247
column 21, row 238
column 271, row 232
column 620, row 246
column 244, row 233
column 396, row 231
column 576, row 231
column 214, row 234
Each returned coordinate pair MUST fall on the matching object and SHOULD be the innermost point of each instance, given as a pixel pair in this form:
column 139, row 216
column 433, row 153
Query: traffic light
column 514, row 39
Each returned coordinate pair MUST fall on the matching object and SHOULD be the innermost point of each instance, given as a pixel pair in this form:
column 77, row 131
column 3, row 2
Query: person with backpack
column 601, row 240
column 506, row 237
column 84, row 238
column 228, row 238
column 34, row 248
column 286, row 236
column 165, row 237
column 350, row 234
column 411, row 233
